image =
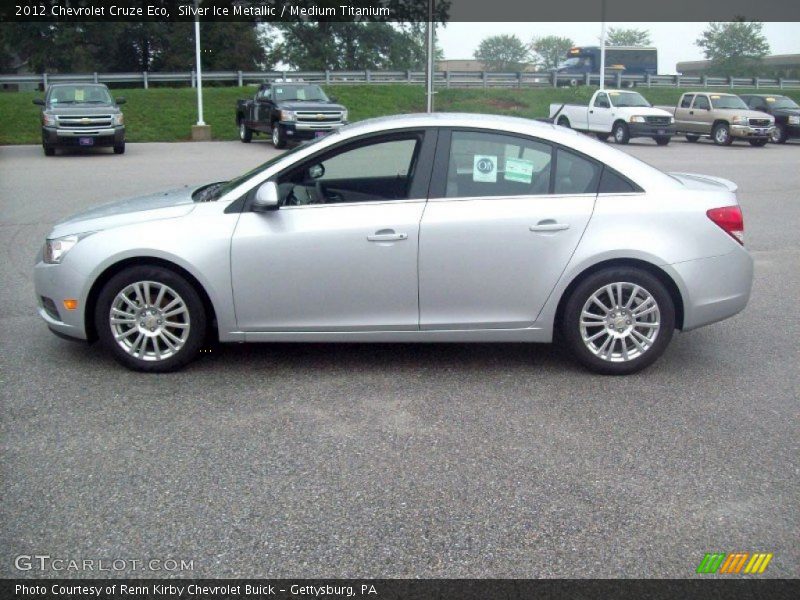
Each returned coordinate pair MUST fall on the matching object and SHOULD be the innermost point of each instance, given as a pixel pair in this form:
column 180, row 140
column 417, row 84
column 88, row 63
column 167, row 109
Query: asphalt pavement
column 329, row 460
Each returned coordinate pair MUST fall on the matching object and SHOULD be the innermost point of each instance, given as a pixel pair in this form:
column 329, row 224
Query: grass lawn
column 166, row 114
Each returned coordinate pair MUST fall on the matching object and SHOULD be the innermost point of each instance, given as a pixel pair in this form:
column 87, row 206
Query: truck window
column 701, row 103
column 687, row 100
column 602, row 101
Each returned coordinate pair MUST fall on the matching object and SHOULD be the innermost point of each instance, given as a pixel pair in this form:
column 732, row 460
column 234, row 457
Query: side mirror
column 266, row 197
column 38, row 101
column 120, row 100
column 333, row 98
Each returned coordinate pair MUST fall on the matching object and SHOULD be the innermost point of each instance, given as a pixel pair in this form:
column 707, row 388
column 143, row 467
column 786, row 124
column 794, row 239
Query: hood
column 704, row 182
column 309, row 105
column 785, row 112
column 164, row 205
column 83, row 109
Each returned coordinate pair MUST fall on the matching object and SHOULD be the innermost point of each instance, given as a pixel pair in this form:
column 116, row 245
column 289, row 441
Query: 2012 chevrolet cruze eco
column 417, row 228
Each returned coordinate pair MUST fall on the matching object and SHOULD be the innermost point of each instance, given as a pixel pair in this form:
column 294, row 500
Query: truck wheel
column 692, row 138
column 563, row 121
column 758, row 143
column 722, row 134
column 779, row 135
column 621, row 133
column 48, row 150
column 662, row 140
column 573, row 82
column 119, row 148
column 245, row 133
column 602, row 136
column 278, row 136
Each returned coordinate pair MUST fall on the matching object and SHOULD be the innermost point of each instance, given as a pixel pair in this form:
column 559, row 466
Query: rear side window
column 575, row 174
column 612, row 182
column 687, row 101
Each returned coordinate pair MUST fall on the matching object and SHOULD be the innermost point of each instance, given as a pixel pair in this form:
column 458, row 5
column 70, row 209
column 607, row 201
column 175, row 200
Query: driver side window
column 701, row 102
column 381, row 170
column 602, row 101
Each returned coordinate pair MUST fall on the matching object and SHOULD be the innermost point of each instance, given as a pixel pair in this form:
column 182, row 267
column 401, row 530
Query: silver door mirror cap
column 266, row 197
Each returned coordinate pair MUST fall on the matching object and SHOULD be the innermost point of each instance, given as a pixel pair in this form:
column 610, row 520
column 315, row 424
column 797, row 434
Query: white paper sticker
column 484, row 168
column 518, row 169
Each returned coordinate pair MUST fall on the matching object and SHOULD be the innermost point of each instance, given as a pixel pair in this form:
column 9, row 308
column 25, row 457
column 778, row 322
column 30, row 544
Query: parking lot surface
column 399, row 460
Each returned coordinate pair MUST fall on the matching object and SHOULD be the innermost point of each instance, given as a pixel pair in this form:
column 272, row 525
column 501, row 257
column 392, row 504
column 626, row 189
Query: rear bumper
column 793, row 130
column 714, row 288
column 650, row 130
column 104, row 136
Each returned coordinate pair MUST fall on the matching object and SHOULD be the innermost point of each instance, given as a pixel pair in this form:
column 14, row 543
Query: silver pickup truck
column 723, row 117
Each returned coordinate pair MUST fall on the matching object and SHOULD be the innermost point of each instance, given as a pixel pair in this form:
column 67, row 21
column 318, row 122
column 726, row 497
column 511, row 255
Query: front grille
column 319, row 116
column 83, row 121
column 759, row 122
column 658, row 120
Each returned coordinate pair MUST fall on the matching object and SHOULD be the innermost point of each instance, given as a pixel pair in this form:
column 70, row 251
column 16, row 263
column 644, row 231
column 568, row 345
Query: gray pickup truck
column 81, row 115
column 723, row 117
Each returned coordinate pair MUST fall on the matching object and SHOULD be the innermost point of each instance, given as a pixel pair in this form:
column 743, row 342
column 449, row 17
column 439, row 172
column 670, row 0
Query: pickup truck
column 81, row 115
column 621, row 114
column 783, row 109
column 288, row 111
column 723, row 117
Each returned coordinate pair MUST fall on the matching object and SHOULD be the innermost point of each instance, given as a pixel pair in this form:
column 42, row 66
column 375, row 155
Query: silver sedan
column 418, row 228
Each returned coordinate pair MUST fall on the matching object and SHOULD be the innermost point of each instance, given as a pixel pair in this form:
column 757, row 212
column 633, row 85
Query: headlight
column 56, row 249
column 48, row 119
column 739, row 120
column 345, row 115
column 288, row 115
column 637, row 119
column 794, row 120
column 117, row 119
column 671, row 120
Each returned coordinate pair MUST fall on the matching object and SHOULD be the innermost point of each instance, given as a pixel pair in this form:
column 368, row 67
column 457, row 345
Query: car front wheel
column 722, row 135
column 150, row 319
column 621, row 133
column 779, row 135
column 278, row 136
column 618, row 321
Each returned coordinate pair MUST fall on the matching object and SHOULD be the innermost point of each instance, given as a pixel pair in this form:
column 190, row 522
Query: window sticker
column 715, row 97
column 278, row 90
column 78, row 95
column 613, row 93
column 519, row 170
column 484, row 168
column 770, row 99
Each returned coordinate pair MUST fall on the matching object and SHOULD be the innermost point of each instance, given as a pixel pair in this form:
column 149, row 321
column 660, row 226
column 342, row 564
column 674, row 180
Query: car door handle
column 387, row 237
column 549, row 226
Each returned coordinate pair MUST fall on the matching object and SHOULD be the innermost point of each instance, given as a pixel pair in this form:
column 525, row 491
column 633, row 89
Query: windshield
column 299, row 92
column 782, row 102
column 728, row 102
column 621, row 99
column 575, row 61
column 215, row 191
column 79, row 94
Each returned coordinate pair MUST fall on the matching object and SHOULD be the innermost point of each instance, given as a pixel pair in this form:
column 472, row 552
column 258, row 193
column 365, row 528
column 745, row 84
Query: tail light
column 730, row 220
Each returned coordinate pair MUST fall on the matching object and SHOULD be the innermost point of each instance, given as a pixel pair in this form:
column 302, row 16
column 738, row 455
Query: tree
column 628, row 37
column 734, row 48
column 550, row 51
column 502, row 53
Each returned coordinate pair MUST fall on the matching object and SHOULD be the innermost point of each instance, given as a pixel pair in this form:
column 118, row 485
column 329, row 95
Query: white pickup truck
column 621, row 114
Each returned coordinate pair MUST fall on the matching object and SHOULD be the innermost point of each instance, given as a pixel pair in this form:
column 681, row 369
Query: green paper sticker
column 519, row 170
column 78, row 95
column 484, row 168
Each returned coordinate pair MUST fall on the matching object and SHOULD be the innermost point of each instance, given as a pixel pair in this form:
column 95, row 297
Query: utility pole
column 200, row 131
column 603, row 45
column 430, row 62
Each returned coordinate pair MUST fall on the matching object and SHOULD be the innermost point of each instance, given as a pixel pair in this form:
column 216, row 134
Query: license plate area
column 86, row 141
column 319, row 134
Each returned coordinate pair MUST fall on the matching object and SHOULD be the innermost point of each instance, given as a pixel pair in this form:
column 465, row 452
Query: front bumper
column 793, row 130
column 714, row 288
column 103, row 136
column 54, row 283
column 749, row 132
column 650, row 130
column 307, row 131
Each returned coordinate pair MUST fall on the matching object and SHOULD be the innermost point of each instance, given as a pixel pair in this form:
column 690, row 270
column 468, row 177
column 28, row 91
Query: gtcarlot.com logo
column 738, row 562
column 45, row 562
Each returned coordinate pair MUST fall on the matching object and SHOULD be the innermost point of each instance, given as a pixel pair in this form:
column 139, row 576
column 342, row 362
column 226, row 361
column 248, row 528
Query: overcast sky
column 675, row 41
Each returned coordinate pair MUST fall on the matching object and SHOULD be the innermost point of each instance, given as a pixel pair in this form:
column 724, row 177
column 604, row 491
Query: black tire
column 662, row 140
column 563, row 121
column 692, row 138
column 245, row 133
column 721, row 134
column 779, row 134
column 278, row 136
column 602, row 136
column 49, row 150
column 187, row 293
column 621, row 133
column 573, row 309
column 758, row 143
column 119, row 148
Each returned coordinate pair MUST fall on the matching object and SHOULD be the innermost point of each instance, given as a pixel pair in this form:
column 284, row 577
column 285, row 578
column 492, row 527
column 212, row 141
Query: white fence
column 446, row 79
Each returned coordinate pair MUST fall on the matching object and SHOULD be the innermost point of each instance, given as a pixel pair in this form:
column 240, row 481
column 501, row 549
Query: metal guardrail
column 446, row 79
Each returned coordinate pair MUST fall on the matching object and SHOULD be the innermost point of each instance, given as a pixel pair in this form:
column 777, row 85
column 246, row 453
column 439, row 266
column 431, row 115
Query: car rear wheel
column 278, row 136
column 758, row 143
column 621, row 133
column 150, row 319
column 618, row 320
column 245, row 133
column 692, row 138
column 662, row 140
column 722, row 135
column 779, row 135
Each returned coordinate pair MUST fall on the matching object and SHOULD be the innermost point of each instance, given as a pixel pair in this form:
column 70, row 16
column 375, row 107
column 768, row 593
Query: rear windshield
column 727, row 102
column 79, row 94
